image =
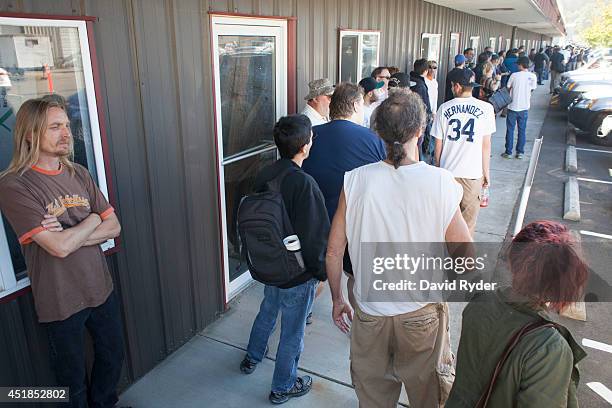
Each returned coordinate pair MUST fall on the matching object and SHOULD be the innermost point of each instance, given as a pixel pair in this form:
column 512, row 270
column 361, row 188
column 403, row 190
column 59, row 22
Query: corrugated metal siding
column 401, row 23
column 528, row 35
column 156, row 87
column 155, row 66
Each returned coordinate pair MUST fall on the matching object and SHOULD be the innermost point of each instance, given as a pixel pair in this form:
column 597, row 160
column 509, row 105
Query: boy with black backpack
column 266, row 223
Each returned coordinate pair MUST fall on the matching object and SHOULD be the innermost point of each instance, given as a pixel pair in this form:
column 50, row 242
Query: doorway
column 250, row 84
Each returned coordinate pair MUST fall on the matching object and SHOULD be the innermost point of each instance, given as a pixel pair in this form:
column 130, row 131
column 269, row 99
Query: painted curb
column 571, row 160
column 571, row 207
column 570, row 135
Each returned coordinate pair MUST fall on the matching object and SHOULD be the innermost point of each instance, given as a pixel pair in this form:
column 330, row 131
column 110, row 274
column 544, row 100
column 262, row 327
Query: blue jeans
column 513, row 119
column 67, row 351
column 294, row 304
column 539, row 73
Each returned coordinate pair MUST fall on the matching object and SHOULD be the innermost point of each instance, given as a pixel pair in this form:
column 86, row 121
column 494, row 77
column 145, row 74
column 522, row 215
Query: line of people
column 347, row 184
column 374, row 184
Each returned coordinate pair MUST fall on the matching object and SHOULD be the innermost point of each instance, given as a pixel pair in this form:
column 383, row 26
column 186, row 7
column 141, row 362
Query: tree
column 599, row 34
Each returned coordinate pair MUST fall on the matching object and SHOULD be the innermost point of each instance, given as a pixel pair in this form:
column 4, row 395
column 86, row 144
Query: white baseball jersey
column 461, row 124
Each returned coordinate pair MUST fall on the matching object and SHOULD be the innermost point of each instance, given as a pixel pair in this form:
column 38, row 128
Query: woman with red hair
column 511, row 354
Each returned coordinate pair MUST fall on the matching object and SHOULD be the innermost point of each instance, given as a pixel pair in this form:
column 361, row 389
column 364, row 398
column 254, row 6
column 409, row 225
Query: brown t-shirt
column 61, row 287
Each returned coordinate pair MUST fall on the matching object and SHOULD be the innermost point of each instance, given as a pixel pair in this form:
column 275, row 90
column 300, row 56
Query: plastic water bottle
column 484, row 197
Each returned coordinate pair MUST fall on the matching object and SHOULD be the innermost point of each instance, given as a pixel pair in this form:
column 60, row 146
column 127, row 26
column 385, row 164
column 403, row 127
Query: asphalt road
column 546, row 202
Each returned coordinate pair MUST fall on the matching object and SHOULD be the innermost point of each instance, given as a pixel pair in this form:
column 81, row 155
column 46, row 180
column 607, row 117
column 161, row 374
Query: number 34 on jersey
column 457, row 129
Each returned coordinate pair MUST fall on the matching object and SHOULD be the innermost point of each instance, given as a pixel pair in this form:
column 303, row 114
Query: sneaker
column 247, row 366
column 506, row 155
column 309, row 318
column 301, row 387
column 519, row 156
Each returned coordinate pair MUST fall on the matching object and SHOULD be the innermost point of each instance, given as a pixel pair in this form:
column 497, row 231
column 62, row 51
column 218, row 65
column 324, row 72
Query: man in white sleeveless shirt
column 398, row 200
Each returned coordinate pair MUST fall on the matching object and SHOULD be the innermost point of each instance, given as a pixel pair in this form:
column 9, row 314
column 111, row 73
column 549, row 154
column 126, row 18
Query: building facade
column 185, row 93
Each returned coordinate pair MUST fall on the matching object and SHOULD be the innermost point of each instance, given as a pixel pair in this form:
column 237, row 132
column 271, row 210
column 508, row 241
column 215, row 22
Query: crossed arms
column 61, row 242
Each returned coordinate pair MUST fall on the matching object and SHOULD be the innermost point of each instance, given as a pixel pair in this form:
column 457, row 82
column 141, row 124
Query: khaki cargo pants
column 470, row 202
column 412, row 348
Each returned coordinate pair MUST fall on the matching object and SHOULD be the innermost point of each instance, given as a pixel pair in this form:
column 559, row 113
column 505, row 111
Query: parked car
column 573, row 90
column 574, row 76
column 593, row 116
column 599, row 68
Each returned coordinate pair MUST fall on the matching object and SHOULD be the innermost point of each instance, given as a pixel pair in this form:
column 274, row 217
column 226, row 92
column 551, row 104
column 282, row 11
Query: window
column 29, row 42
column 474, row 41
column 359, row 54
column 507, row 44
column 500, row 43
column 516, row 43
column 453, row 49
column 492, row 43
column 430, row 47
column 46, row 56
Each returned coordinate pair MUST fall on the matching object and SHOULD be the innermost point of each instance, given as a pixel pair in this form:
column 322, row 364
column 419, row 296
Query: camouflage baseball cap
column 318, row 87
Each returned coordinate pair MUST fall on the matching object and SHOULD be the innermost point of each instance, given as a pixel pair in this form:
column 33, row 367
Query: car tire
column 596, row 136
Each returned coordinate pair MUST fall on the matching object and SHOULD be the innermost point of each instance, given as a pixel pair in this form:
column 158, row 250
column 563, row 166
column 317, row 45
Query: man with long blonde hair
column 61, row 218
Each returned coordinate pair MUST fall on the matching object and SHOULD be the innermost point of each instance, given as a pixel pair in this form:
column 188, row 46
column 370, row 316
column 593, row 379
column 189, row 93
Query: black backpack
column 262, row 224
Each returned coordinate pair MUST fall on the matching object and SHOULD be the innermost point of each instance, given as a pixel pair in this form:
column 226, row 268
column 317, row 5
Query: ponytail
column 399, row 119
column 396, row 153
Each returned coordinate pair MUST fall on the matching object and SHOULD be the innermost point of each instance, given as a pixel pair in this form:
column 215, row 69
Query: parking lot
column 594, row 164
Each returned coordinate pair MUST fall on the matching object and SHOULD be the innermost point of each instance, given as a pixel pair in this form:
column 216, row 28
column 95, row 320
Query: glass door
column 250, row 71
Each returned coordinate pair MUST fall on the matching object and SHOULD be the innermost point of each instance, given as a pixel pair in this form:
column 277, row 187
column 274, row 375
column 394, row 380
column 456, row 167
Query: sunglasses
column 433, row 67
column 383, row 77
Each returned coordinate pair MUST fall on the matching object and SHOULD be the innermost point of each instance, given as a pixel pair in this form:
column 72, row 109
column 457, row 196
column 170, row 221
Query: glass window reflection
column 36, row 61
column 248, row 92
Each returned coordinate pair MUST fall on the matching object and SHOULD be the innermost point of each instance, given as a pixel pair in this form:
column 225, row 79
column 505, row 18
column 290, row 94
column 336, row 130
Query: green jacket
column 540, row 372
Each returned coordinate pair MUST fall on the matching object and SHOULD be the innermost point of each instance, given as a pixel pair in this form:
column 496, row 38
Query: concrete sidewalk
column 205, row 373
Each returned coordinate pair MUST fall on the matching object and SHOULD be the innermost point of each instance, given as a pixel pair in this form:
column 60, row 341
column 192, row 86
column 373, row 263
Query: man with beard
column 61, row 217
column 370, row 97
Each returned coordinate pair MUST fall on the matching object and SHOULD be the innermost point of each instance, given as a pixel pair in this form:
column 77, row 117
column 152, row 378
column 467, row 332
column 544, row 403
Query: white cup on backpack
column 292, row 243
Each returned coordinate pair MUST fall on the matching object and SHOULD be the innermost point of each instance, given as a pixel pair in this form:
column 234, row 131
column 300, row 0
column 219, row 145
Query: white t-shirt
column 414, row 203
column 566, row 55
column 367, row 113
column 521, row 84
column 314, row 116
column 432, row 91
column 461, row 124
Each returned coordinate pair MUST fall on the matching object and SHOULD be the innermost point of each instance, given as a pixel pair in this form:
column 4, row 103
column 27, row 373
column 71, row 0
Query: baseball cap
column 369, row 84
column 459, row 59
column 463, row 77
column 401, row 80
column 318, row 87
